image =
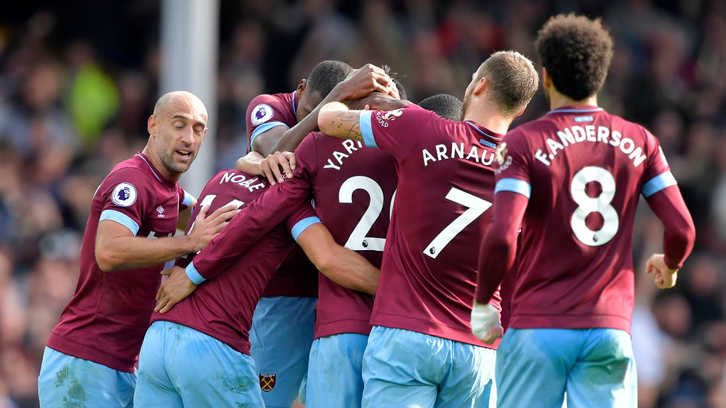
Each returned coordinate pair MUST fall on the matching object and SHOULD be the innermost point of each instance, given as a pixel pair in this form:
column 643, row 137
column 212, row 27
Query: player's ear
column 480, row 86
column 301, row 88
column 546, row 79
column 151, row 125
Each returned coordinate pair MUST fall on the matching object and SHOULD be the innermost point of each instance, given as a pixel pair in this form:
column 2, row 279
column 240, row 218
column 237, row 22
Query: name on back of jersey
column 349, row 146
column 590, row 133
column 457, row 151
column 249, row 183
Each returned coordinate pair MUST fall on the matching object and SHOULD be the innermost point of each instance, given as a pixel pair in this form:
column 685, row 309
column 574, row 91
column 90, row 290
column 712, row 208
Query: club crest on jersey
column 261, row 114
column 124, row 195
column 268, row 381
column 501, row 153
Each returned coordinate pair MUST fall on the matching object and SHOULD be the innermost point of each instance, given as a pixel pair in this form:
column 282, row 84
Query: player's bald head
column 177, row 99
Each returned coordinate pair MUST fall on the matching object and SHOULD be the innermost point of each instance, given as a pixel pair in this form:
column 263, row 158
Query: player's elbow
column 105, row 260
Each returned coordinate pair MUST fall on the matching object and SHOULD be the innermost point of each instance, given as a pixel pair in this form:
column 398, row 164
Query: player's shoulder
column 135, row 170
column 263, row 107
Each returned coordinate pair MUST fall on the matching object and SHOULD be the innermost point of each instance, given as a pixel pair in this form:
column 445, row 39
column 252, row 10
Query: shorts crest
column 268, row 381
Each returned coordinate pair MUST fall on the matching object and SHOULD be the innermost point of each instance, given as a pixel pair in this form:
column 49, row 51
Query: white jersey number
column 599, row 204
column 476, row 207
column 208, row 199
column 358, row 241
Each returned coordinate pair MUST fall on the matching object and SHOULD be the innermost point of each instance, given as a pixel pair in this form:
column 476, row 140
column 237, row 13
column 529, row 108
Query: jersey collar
column 577, row 109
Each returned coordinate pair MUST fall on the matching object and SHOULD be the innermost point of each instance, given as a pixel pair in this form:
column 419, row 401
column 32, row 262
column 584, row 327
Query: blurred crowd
column 72, row 104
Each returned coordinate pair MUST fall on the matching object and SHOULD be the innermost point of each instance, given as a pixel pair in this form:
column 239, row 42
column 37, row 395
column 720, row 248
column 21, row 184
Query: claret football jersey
column 223, row 307
column 583, row 170
column 440, row 215
column 296, row 276
column 107, row 317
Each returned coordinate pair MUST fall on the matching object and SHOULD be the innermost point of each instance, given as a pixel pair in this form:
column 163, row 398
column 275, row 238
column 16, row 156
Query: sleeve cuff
column 302, row 225
column 194, row 275
column 365, row 128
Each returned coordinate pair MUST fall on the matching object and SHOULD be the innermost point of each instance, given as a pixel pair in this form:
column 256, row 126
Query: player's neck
column 159, row 165
column 558, row 100
column 487, row 116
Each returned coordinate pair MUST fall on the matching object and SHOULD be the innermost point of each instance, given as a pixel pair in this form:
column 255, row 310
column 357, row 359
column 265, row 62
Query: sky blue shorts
column 402, row 368
column 335, row 371
column 182, row 367
column 281, row 336
column 595, row 367
column 69, row 381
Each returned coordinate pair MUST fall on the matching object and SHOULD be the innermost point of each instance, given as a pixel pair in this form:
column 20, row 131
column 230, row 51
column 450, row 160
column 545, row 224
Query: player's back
column 586, row 169
column 353, row 187
column 445, row 188
column 222, row 307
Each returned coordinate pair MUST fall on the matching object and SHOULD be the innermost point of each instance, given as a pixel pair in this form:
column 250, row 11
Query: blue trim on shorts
column 365, row 128
column 514, row 185
column 121, row 218
column 302, row 225
column 657, row 183
column 194, row 275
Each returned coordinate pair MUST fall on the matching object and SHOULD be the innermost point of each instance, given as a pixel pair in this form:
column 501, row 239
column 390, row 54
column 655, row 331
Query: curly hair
column 576, row 52
column 326, row 75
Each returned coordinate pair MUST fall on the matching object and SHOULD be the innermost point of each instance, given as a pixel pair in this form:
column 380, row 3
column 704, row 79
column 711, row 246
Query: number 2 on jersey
column 476, row 207
column 588, row 205
column 358, row 241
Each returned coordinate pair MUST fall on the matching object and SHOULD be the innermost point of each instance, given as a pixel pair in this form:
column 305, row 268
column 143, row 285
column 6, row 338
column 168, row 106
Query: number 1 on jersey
column 476, row 207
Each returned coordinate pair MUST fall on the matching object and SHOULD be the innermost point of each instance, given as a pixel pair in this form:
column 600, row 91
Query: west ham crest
column 268, row 381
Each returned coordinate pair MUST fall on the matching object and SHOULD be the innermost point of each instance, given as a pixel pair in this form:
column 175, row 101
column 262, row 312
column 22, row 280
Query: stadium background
column 79, row 79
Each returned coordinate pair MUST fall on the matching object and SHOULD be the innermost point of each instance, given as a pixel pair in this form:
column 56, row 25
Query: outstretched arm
column 341, row 265
column 335, row 119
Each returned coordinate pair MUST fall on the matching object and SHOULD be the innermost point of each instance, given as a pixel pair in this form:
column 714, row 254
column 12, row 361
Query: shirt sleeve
column 185, row 199
column 396, row 131
column 126, row 194
column 301, row 218
column 511, row 165
column 657, row 175
column 263, row 113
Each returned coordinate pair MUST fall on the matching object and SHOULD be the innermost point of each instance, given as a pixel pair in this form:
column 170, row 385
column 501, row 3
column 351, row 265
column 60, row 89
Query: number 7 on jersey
column 476, row 207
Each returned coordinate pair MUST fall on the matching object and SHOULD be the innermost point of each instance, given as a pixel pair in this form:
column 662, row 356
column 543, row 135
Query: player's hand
column 379, row 101
column 485, row 322
column 363, row 81
column 278, row 166
column 173, row 289
column 663, row 276
column 205, row 227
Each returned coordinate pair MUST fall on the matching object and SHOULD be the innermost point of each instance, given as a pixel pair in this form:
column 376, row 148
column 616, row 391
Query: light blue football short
column 335, row 371
column 182, row 367
column 69, row 381
column 281, row 336
column 402, row 368
column 594, row 367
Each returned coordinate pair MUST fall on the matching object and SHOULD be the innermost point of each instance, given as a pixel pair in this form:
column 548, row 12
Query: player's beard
column 167, row 158
column 465, row 104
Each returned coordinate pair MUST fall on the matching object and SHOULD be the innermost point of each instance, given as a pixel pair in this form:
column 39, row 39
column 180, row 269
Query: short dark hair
column 326, row 75
column 445, row 105
column 512, row 81
column 576, row 53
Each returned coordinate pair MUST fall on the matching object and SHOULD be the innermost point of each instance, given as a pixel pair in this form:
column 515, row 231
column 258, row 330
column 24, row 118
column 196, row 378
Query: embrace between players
column 425, row 206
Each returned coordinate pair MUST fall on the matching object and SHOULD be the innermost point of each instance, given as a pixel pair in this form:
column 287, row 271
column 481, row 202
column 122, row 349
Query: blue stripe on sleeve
column 514, row 185
column 658, row 183
column 120, row 218
column 302, row 225
column 366, row 129
column 262, row 129
column 193, row 274
column 187, row 199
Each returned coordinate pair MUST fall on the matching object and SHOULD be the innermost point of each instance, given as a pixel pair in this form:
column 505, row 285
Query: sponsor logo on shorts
column 268, row 381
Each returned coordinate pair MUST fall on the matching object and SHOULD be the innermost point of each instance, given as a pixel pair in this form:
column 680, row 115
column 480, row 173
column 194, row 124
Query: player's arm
column 341, row 265
column 678, row 237
column 496, row 258
column 335, row 119
column 360, row 83
column 275, row 167
column 117, row 247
